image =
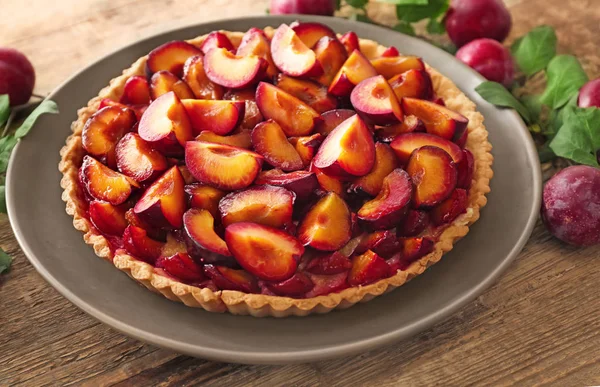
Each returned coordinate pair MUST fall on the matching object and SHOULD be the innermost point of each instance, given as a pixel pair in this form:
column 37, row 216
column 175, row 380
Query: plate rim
column 295, row 356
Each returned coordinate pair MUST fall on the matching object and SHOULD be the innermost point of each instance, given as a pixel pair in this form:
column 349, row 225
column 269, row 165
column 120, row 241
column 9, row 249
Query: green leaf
column 533, row 105
column 338, row 4
column 4, row 109
column 2, row 199
column 405, row 2
column 405, row 28
column 534, row 51
column 556, row 117
column 357, row 3
column 5, row 261
column 578, row 138
column 434, row 27
column 267, row 11
column 498, row 95
column 565, row 77
column 411, row 13
column 47, row 106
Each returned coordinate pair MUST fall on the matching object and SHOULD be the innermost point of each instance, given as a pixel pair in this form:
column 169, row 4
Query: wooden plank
column 538, row 325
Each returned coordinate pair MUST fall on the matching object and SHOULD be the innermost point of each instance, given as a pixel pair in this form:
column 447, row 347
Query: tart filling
column 275, row 172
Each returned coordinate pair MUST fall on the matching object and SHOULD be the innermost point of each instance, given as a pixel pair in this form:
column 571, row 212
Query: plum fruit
column 467, row 20
column 17, row 76
column 303, row 7
column 571, row 205
column 490, row 59
column 589, row 95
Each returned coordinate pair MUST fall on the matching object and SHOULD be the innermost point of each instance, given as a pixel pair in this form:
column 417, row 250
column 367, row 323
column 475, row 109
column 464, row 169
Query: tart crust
column 257, row 304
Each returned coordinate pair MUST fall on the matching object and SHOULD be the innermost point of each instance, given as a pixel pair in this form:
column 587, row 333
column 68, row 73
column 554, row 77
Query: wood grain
column 538, row 325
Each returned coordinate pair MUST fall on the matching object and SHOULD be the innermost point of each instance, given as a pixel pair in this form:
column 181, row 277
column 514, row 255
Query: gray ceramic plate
column 57, row 250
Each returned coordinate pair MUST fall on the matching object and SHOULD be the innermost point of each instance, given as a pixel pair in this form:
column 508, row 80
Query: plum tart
column 276, row 172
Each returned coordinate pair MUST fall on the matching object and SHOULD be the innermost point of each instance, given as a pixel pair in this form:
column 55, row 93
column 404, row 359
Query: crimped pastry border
column 257, row 304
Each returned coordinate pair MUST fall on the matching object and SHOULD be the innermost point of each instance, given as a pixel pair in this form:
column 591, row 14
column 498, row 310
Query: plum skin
column 467, row 20
column 571, row 205
column 489, row 58
column 304, row 7
column 589, row 95
column 17, row 76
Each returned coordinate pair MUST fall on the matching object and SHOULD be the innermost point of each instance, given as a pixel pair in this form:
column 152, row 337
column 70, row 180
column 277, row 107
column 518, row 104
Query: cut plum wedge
column 226, row 278
column 307, row 146
column 136, row 91
column 390, row 206
column 414, row 223
column 405, row 144
column 313, row 94
column 348, row 150
column 200, row 228
column 376, row 102
column 385, row 163
column 384, row 243
column 350, row 42
column 182, row 267
column 220, row 117
column 103, row 183
column 163, row 203
column 327, row 225
column 332, row 119
column 104, row 129
column 137, row 109
column 229, row 70
column 195, row 76
column 329, row 263
column 296, row 286
column 163, row 81
column 310, row 33
column 270, row 141
column 302, row 183
column 414, row 249
column 268, row 253
column 265, row 204
column 166, row 125
column 292, row 56
column 450, row 208
column 332, row 55
column 465, row 169
column 109, row 219
column 355, row 69
column 408, row 125
column 137, row 243
column 254, row 42
column 138, row 160
column 252, row 115
column 171, row 57
column 216, row 39
column 389, row 67
column 438, row 119
column 205, row 197
column 390, row 52
column 434, row 175
column 240, row 140
column 368, row 268
column 328, row 183
column 222, row 166
column 295, row 117
column 412, row 84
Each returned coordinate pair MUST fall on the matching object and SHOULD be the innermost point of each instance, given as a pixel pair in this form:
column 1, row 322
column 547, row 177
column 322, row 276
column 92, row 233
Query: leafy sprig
column 8, row 142
column 560, row 128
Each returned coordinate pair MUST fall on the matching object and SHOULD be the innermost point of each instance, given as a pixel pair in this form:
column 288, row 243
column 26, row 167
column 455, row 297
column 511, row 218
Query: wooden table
column 539, row 324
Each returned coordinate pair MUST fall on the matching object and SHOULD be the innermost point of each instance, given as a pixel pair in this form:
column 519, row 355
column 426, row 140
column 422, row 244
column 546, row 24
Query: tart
column 276, row 172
